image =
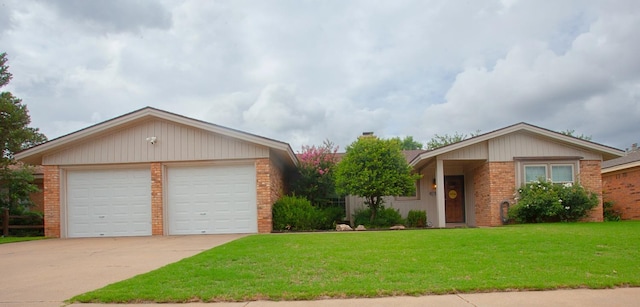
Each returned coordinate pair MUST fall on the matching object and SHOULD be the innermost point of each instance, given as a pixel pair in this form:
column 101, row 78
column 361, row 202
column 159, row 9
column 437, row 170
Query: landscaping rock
column 397, row 227
column 343, row 227
column 360, row 228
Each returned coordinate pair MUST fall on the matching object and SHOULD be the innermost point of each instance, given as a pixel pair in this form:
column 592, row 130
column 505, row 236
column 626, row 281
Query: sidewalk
column 564, row 298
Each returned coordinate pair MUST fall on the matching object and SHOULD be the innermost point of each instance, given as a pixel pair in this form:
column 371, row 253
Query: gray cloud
column 115, row 15
column 303, row 72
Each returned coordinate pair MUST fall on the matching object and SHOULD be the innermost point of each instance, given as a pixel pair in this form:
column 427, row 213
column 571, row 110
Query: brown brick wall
column 270, row 186
column 503, row 187
column 590, row 178
column 493, row 182
column 482, row 195
column 157, row 220
column 623, row 189
column 52, row 201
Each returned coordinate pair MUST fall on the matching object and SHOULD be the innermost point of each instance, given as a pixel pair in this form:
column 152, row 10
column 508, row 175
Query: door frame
column 462, row 197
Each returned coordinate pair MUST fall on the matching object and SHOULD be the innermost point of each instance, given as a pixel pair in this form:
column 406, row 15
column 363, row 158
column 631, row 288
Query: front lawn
column 414, row 262
column 18, row 239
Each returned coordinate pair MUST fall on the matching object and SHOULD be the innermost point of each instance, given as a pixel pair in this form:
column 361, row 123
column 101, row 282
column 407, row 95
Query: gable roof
column 632, row 159
column 34, row 154
column 607, row 152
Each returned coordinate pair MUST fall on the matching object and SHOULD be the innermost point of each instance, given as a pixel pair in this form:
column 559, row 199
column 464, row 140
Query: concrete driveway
column 47, row 272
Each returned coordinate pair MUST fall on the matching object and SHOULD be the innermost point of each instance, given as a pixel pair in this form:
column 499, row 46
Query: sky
column 303, row 72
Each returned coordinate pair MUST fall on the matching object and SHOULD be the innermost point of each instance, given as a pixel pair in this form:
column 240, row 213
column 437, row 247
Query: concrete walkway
column 47, row 272
column 564, row 298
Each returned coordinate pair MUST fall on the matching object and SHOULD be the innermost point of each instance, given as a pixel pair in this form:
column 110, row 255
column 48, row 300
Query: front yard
column 414, row 262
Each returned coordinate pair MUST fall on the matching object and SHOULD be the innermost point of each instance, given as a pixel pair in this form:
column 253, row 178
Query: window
column 563, row 172
column 534, row 172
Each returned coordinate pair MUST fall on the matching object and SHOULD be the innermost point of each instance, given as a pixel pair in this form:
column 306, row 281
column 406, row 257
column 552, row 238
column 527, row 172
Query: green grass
column 4, row 240
column 414, row 262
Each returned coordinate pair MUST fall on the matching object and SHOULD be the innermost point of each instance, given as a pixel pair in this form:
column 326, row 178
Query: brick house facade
column 621, row 184
column 492, row 166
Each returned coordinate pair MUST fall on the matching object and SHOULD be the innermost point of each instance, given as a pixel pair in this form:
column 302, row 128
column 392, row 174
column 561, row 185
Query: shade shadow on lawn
column 414, row 262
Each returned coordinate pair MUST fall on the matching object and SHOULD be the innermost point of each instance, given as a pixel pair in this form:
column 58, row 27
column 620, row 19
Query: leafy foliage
column 543, row 201
column 373, row 168
column 610, row 214
column 297, row 213
column 443, row 140
column 15, row 189
column 294, row 213
column 385, row 217
column 417, row 218
column 571, row 132
column 408, row 143
column 315, row 177
column 15, row 135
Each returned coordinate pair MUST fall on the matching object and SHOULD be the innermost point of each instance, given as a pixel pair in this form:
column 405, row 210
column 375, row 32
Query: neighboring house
column 621, row 184
column 472, row 182
column 151, row 172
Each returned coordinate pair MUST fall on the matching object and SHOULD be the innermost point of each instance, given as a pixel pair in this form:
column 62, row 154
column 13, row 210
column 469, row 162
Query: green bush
column 544, row 201
column 417, row 218
column 296, row 213
column 610, row 215
column 331, row 215
column 386, row 217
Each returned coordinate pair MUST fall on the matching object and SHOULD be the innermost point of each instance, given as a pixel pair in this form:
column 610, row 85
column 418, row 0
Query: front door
column 454, row 199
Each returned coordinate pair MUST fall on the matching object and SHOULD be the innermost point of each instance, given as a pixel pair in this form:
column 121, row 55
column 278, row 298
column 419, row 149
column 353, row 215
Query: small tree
column 315, row 178
column 15, row 135
column 443, row 140
column 373, row 168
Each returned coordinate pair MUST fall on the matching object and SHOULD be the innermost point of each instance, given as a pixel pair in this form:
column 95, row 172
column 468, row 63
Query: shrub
column 610, row 215
column 417, row 218
column 385, row 217
column 296, row 213
column 331, row 215
column 544, row 201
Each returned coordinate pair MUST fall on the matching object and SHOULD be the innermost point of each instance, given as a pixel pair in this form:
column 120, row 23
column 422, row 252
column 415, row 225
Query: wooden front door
column 454, row 199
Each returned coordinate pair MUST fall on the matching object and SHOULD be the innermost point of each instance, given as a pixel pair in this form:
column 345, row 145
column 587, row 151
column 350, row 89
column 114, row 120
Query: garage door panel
column 212, row 199
column 109, row 202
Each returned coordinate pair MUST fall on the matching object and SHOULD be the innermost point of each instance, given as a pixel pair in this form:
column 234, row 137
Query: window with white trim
column 557, row 172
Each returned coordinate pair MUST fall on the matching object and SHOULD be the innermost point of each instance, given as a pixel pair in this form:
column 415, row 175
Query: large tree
column 373, row 168
column 443, row 140
column 408, row 143
column 15, row 135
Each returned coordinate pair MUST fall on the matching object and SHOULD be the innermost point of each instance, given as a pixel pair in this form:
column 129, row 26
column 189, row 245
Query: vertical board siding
column 506, row 147
column 175, row 142
column 474, row 152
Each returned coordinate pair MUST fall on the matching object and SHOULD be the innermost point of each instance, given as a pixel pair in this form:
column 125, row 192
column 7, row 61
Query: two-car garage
column 202, row 199
column 152, row 172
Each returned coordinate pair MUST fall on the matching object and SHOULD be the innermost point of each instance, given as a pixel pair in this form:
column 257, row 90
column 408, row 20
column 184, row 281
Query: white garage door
column 108, row 203
column 212, row 199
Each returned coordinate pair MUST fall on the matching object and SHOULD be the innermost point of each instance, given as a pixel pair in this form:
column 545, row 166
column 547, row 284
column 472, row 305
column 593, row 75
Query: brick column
column 263, row 195
column 52, row 201
column 591, row 179
column 493, row 183
column 157, row 219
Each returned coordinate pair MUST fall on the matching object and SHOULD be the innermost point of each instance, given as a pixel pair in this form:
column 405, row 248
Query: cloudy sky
column 305, row 71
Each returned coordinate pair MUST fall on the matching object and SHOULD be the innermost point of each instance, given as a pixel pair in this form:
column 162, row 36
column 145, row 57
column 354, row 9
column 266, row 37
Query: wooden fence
column 6, row 218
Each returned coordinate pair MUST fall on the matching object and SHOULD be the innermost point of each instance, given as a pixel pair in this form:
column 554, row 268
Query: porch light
column 434, row 184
